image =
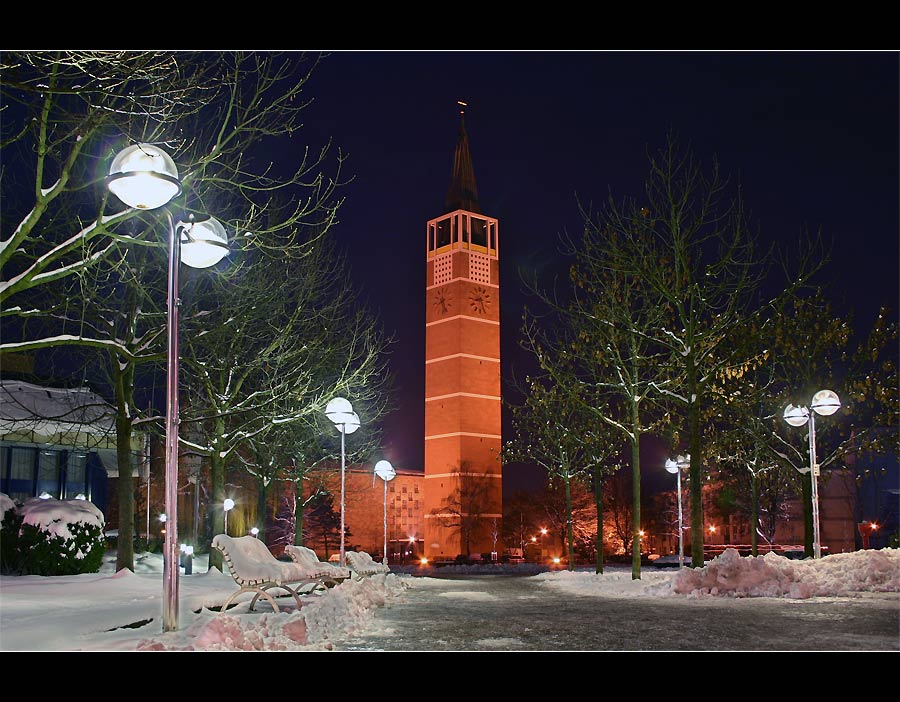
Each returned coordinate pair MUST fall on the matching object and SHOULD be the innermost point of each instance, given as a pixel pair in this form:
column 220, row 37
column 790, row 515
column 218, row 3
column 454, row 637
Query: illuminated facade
column 463, row 489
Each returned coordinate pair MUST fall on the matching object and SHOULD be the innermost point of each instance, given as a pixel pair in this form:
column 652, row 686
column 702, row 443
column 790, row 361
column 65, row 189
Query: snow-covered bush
column 7, row 541
column 52, row 537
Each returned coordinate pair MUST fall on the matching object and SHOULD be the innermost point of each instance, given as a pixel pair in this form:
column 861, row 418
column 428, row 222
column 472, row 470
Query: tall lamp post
column 144, row 176
column 341, row 413
column 676, row 466
column 385, row 471
column 824, row 402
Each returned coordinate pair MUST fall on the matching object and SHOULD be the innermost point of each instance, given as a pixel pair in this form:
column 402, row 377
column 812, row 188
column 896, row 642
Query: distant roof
column 463, row 193
column 73, row 417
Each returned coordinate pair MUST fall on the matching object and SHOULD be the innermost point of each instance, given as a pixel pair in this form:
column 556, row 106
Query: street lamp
column 676, row 466
column 824, row 402
column 341, row 413
column 385, row 471
column 227, row 506
column 144, row 176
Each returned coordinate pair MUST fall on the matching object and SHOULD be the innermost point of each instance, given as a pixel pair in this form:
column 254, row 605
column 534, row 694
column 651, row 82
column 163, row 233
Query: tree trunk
column 696, row 468
column 754, row 512
column 569, row 531
column 298, row 513
column 125, row 540
column 262, row 496
column 598, row 503
column 635, row 494
column 215, row 513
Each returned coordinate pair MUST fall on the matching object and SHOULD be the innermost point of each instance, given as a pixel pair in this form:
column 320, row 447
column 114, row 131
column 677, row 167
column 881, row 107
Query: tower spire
column 463, row 193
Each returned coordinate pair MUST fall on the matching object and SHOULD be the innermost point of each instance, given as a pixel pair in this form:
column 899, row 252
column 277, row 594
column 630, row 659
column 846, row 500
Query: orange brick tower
column 463, row 488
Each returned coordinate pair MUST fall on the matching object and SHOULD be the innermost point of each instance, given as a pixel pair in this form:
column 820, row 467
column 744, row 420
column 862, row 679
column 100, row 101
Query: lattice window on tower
column 443, row 269
column 479, row 267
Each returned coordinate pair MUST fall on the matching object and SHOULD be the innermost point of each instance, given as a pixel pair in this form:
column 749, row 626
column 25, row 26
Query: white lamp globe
column 204, row 243
column 338, row 406
column 143, row 176
column 671, row 466
column 796, row 416
column 349, row 424
column 825, row 402
column 228, row 504
column 384, row 470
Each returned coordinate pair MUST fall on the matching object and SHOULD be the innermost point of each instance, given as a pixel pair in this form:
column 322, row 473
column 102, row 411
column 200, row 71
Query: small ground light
column 423, row 561
column 255, row 532
column 80, row 496
column 162, row 518
column 712, row 529
column 556, row 560
column 44, row 495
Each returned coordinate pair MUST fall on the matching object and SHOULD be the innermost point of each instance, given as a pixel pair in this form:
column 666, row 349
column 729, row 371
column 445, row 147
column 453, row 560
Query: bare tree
column 554, row 429
column 462, row 512
column 259, row 360
column 65, row 114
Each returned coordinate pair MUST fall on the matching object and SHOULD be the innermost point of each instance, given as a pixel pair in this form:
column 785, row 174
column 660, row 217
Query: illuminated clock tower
column 463, row 488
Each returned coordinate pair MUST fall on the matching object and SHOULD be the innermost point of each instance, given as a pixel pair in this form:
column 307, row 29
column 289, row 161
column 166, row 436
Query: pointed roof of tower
column 463, row 193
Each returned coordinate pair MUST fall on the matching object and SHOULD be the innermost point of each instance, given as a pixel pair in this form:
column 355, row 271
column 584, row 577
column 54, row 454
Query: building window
column 48, row 473
column 76, row 472
column 21, row 474
column 404, row 488
column 416, row 488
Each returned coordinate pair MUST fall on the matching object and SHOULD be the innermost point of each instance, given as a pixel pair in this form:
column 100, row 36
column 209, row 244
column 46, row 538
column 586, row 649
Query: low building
column 59, row 441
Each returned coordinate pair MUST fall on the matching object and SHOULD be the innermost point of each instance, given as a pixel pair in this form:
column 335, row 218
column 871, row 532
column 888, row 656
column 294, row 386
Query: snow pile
column 618, row 583
column 731, row 575
column 350, row 605
column 771, row 575
column 54, row 516
column 235, row 632
column 334, row 614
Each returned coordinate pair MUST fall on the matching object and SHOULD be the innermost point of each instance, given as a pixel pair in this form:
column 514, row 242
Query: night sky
column 813, row 138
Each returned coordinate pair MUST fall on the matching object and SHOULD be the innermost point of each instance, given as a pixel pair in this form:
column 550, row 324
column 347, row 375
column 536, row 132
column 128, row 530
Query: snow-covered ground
column 111, row 611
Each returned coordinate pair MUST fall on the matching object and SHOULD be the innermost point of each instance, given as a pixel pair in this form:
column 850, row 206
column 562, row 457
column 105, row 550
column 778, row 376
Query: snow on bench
column 256, row 570
column 306, row 556
column 362, row 564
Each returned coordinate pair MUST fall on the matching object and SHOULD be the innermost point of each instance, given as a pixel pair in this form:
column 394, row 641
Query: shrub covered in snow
column 52, row 537
column 6, row 504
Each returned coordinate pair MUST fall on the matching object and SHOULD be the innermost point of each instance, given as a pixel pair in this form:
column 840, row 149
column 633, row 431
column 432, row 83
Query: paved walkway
column 515, row 613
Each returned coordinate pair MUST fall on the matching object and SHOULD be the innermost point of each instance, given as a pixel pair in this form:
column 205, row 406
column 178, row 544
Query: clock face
column 442, row 301
column 479, row 299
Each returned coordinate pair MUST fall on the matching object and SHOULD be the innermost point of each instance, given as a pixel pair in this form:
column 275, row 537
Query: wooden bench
column 256, row 570
column 363, row 566
column 307, row 557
